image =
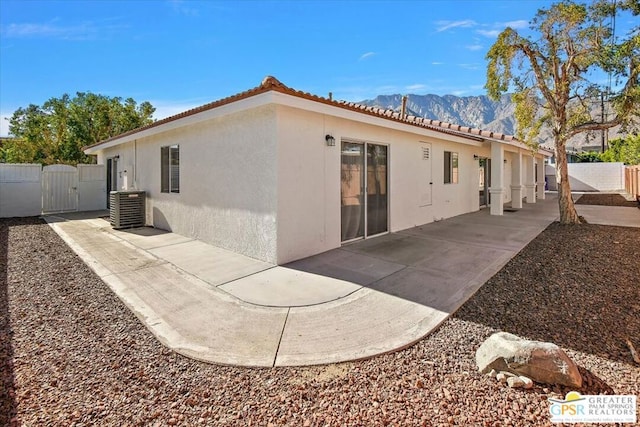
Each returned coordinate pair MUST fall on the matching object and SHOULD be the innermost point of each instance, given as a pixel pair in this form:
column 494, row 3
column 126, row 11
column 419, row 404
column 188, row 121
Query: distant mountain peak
column 472, row 111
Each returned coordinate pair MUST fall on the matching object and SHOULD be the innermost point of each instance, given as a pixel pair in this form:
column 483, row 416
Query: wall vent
column 127, row 209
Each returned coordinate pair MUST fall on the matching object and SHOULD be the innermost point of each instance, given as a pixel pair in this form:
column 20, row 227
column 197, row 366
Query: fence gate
column 59, row 188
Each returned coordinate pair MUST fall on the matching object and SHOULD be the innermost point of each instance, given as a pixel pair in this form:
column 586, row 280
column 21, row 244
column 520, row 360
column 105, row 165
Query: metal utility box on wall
column 127, row 209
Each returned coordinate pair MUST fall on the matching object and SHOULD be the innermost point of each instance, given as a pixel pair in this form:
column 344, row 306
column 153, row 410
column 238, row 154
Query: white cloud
column 366, row 55
column 521, row 23
column 458, row 92
column 474, row 47
column 469, row 66
column 499, row 26
column 180, row 6
column 447, row 25
column 84, row 31
column 416, row 87
column 489, row 33
column 4, row 123
column 437, row 63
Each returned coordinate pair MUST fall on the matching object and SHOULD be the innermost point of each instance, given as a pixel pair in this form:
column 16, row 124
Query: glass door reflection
column 362, row 217
column 352, row 189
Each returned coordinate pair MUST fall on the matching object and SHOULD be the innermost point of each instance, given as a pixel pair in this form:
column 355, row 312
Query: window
column 450, row 167
column 170, row 169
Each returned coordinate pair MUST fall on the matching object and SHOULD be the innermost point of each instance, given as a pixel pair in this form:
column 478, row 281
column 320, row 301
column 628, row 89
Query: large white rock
column 543, row 362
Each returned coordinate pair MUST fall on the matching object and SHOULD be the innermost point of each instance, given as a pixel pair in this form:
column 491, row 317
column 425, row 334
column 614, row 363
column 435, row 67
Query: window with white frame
column 170, row 169
column 450, row 167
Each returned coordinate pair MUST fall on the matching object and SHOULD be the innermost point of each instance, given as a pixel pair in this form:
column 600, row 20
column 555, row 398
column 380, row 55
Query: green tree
column 625, row 150
column 56, row 131
column 589, row 157
column 550, row 76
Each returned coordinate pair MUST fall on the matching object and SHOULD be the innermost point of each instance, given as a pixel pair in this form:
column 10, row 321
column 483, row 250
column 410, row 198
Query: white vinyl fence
column 590, row 176
column 20, row 190
column 29, row 189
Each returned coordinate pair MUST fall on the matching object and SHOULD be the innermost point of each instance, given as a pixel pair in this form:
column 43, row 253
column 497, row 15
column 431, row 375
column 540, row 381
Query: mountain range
column 478, row 112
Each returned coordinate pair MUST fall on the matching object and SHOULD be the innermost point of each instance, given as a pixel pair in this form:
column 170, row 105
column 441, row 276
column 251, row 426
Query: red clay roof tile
column 270, row 83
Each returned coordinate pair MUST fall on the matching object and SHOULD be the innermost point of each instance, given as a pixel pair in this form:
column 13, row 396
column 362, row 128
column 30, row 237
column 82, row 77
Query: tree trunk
column 568, row 214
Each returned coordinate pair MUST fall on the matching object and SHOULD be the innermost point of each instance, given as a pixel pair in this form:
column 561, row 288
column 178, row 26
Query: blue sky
column 180, row 54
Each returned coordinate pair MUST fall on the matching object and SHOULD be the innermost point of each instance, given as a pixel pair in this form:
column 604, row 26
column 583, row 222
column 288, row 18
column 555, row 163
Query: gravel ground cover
column 72, row 354
column 605, row 200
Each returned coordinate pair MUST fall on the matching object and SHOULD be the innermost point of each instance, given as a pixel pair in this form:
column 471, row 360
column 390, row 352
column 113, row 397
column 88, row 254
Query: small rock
column 501, row 377
column 492, row 373
column 515, row 382
column 528, row 382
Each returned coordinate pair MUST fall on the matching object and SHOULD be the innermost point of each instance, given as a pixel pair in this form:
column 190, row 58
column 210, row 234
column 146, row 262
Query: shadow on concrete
column 68, row 216
column 575, row 183
column 8, row 406
column 440, row 264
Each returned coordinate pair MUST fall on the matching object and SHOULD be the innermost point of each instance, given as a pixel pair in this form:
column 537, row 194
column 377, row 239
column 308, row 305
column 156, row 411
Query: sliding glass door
column 364, row 216
column 352, row 189
column 376, row 189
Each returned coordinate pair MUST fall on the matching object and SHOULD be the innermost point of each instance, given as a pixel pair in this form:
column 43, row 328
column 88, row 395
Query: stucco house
column 278, row 175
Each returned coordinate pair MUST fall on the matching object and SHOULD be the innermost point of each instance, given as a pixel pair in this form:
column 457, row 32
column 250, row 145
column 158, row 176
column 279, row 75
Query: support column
column 541, row 178
column 530, row 180
column 516, row 181
column 497, row 178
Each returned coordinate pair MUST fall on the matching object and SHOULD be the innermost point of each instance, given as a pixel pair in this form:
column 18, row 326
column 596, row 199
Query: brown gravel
column 72, row 354
column 605, row 200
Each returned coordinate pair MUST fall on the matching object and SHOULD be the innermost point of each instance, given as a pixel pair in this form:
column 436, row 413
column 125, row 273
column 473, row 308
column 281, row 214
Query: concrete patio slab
column 286, row 287
column 395, row 248
column 150, row 238
column 366, row 298
column 85, row 233
column 193, row 319
column 610, row 215
column 370, row 323
column 345, row 265
column 215, row 266
column 464, row 260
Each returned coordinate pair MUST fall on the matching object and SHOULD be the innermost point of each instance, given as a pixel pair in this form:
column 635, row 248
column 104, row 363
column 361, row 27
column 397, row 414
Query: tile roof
column 270, row 83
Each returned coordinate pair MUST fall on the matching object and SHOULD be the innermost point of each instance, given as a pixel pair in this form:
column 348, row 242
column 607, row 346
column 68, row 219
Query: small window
column 450, row 167
column 170, row 169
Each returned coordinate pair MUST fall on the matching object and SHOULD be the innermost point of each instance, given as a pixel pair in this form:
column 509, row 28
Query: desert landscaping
column 72, row 354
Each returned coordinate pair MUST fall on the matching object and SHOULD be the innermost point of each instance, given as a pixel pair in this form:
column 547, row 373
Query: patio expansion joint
column 240, row 278
column 150, row 248
column 284, row 325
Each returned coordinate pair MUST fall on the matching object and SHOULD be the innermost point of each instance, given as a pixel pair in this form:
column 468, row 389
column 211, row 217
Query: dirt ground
column 605, row 200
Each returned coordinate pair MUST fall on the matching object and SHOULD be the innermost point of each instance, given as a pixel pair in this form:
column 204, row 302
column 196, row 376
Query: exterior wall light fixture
column 331, row 141
column 475, row 157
